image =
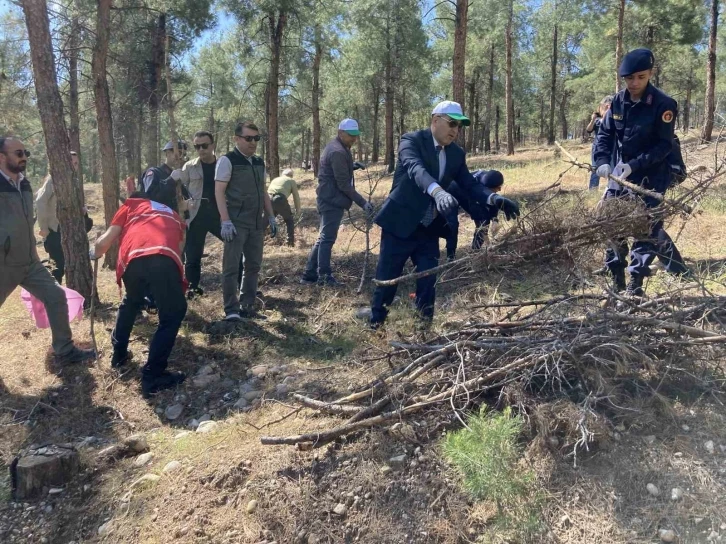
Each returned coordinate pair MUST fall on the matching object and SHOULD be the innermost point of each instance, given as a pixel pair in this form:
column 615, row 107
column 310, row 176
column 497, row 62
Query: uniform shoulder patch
column 617, row 117
column 148, row 179
column 667, row 116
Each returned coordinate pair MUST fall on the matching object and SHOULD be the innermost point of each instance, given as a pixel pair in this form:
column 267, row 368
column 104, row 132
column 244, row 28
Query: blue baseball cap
column 637, row 60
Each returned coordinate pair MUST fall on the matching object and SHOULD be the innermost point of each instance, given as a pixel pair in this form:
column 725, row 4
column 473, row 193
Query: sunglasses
column 20, row 153
column 201, row 146
column 451, row 122
column 250, row 138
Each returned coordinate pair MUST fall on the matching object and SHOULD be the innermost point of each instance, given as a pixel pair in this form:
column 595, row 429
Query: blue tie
column 430, row 214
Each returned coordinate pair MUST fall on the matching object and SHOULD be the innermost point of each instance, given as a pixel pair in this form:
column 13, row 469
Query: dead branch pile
column 567, row 352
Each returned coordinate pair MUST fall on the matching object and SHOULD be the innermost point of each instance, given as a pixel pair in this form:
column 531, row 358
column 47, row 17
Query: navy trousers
column 158, row 275
column 206, row 220
column 318, row 264
column 422, row 247
column 643, row 252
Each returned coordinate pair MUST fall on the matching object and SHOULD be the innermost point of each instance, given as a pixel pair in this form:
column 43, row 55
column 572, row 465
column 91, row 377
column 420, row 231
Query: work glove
column 622, row 170
column 92, row 254
column 273, row 227
column 603, row 171
column 228, row 231
column 445, row 203
column 369, row 209
column 176, row 175
column 509, row 207
column 359, row 166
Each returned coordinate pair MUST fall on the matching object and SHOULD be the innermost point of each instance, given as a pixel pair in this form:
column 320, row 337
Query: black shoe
column 120, row 359
column 308, row 280
column 194, row 292
column 619, row 282
column 251, row 313
column 635, row 287
column 76, row 355
column 330, row 281
column 165, row 380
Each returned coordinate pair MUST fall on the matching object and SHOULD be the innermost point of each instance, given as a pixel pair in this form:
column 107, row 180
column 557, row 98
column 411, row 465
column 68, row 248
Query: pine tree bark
column 50, row 106
column 277, row 23
column 707, row 133
column 109, row 168
column 619, row 45
column 74, row 129
column 473, row 85
column 459, row 60
column 376, row 89
column 389, row 158
column 687, row 103
column 490, row 97
column 316, row 99
column 497, row 118
column 156, row 64
column 563, row 115
column 508, row 92
column 553, row 89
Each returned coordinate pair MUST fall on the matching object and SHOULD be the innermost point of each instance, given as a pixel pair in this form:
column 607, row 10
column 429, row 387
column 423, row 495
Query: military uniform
column 245, row 179
column 640, row 134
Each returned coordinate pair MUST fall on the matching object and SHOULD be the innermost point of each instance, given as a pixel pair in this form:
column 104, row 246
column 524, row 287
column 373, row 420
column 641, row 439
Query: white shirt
column 223, row 170
column 15, row 184
column 442, row 166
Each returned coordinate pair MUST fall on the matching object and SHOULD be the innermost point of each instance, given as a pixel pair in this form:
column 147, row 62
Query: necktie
column 430, row 214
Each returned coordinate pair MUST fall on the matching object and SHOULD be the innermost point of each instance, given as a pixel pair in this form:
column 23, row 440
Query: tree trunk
column 508, row 94
column 389, row 158
column 376, row 110
column 277, row 29
column 706, row 135
column 553, row 89
column 109, row 170
column 156, row 64
column 473, row 85
column 459, row 61
column 316, row 99
column 496, row 129
column 307, row 147
column 563, row 116
column 687, row 103
column 50, row 106
column 490, row 96
column 619, row 45
column 74, row 130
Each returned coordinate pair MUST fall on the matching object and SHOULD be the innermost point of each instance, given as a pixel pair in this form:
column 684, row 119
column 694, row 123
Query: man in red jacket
column 152, row 242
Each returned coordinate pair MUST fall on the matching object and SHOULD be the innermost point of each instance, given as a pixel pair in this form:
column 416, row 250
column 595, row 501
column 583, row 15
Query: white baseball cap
column 453, row 110
column 287, row 172
column 350, row 126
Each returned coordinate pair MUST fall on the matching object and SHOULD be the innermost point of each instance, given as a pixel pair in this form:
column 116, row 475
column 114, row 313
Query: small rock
column 137, row 443
column 206, row 370
column 181, row 435
column 710, row 447
column 712, row 536
column 143, row 459
column 650, row 439
column 553, row 441
column 259, row 371
column 146, row 479
column 105, row 528
column 252, row 395
column 620, row 428
column 397, row 462
column 171, row 466
column 676, row 493
column 685, row 428
column 205, row 417
column 206, row 380
column 281, row 389
column 667, row 535
column 241, row 403
column 678, row 454
column 653, row 490
column 385, row 469
column 55, row 491
column 340, row 509
column 193, row 424
column 174, row 411
column 207, row 426
column 251, row 506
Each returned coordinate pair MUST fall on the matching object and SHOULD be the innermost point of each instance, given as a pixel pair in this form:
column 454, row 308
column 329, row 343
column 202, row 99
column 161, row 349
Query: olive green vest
column 246, row 190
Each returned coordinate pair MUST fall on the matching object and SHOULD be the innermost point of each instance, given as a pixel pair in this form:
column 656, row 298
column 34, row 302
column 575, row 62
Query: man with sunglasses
column 411, row 218
column 197, row 175
column 19, row 262
column 335, row 194
column 243, row 203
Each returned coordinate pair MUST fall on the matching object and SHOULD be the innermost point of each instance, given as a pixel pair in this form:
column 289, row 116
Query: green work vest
column 245, row 191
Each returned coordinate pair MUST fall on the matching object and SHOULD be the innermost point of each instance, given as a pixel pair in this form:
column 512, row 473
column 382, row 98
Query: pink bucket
column 37, row 308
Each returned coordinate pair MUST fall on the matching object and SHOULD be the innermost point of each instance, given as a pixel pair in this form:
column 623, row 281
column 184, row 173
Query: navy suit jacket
column 417, row 168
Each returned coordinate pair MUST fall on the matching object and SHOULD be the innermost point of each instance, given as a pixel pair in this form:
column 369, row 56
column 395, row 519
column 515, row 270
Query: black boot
column 619, row 281
column 151, row 384
column 635, row 287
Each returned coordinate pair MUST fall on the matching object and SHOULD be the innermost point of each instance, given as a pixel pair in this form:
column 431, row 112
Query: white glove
column 176, row 175
column 369, row 209
column 603, row 171
column 228, row 231
column 92, row 254
column 622, row 170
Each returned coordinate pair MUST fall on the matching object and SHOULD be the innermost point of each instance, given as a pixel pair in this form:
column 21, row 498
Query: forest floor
column 312, row 343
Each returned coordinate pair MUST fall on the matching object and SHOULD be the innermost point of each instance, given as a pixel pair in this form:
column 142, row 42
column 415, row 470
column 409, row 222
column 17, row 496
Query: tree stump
column 38, row 469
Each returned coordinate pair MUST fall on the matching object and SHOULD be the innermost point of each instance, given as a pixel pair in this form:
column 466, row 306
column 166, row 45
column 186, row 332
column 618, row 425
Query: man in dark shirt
column 197, row 176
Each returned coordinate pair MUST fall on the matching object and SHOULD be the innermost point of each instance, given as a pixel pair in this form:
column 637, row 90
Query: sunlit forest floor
column 312, row 343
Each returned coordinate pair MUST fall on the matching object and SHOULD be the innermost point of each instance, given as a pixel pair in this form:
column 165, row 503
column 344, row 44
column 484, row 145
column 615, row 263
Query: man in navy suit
column 412, row 216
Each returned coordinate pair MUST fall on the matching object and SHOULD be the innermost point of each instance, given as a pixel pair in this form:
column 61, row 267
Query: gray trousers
column 247, row 244
column 319, row 259
column 36, row 279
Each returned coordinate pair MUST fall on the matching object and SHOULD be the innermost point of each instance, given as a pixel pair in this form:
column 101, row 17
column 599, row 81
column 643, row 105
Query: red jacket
column 148, row 228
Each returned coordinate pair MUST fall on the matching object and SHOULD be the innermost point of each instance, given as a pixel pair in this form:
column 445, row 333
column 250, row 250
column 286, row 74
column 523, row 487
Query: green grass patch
column 487, row 454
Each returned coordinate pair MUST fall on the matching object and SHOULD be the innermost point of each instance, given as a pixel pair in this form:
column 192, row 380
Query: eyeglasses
column 20, row 153
column 250, row 138
column 450, row 121
column 201, row 146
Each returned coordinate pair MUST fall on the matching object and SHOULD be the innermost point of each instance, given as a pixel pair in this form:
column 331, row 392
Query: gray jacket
column 17, row 241
column 335, row 178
